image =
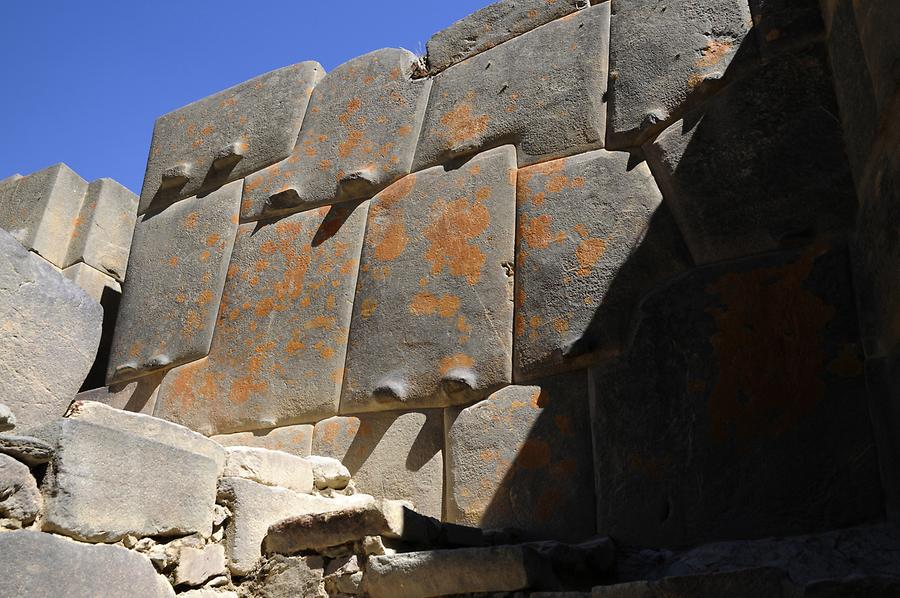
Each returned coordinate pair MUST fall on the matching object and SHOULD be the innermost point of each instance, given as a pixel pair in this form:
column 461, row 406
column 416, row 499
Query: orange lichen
column 426, row 304
column 459, row 360
column 588, row 253
column 455, row 223
column 460, row 125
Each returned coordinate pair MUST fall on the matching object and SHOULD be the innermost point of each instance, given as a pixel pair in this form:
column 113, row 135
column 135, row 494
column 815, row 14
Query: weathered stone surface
column 196, row 565
column 522, row 458
column 103, row 484
column 149, row 428
column 773, row 137
column 358, row 137
column 318, row 531
column 271, row 468
column 93, row 281
column 41, row 212
column 287, row 577
column 663, row 58
column 277, row 355
column 445, row 241
column 228, row 135
column 542, row 91
column 390, row 455
column 442, row 572
column 593, row 238
column 296, row 440
column 747, row 382
column 7, row 418
column 19, row 495
column 255, row 507
column 179, row 259
column 28, row 450
column 102, row 231
column 491, row 26
column 49, row 332
column 138, row 395
column 36, row 564
column 328, row 473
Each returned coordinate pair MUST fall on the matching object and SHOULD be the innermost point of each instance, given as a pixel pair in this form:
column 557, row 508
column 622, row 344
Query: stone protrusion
column 228, row 135
column 593, row 238
column 270, row 468
column 50, row 333
column 542, row 91
column 663, row 58
column 277, row 354
column 179, row 259
column 29, row 450
column 396, row 455
column 358, row 137
column 433, row 281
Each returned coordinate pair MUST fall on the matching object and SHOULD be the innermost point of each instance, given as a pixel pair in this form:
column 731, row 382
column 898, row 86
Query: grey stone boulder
column 7, row 419
column 36, row 565
column 27, row 449
column 542, row 91
column 19, row 495
column 51, row 330
column 228, row 135
column 328, row 473
column 271, row 468
column 254, row 507
column 104, row 484
column 196, row 565
column 491, row 26
column 664, row 57
column 442, row 572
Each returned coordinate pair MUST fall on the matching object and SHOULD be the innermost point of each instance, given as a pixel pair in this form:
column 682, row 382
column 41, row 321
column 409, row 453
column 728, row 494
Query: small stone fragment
column 196, row 565
column 271, row 468
column 19, row 495
column 328, row 473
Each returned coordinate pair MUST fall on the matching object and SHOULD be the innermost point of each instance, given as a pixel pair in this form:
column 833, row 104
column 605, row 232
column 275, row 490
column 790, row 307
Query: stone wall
column 586, row 268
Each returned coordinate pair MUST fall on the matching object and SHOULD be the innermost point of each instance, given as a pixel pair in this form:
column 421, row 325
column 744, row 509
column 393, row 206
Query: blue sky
column 84, row 80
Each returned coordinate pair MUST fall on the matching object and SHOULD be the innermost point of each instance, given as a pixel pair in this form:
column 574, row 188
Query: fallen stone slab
column 358, row 137
column 196, row 565
column 39, row 564
column 27, row 449
column 228, row 135
column 296, row 439
column 179, row 258
column 104, row 484
column 19, row 495
column 51, row 331
column 7, row 418
column 103, row 229
column 254, row 507
column 513, row 93
column 328, row 473
column 318, row 531
column 149, row 428
column 270, row 468
column 277, row 353
column 662, row 60
column 491, row 26
column 442, row 572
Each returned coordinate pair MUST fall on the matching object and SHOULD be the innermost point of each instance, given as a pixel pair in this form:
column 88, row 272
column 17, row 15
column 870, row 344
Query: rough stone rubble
column 598, row 298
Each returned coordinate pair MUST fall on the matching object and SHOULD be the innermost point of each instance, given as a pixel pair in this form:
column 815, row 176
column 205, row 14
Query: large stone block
column 491, row 26
column 228, row 135
column 662, row 58
column 36, row 564
column 358, row 137
column 270, row 468
column 296, row 440
column 522, row 458
column 93, row 281
column 102, row 231
column 390, row 455
column 542, row 91
column 42, row 211
column 178, row 260
column 49, row 333
column 277, row 355
column 103, row 484
column 432, row 319
column 138, row 395
column 741, row 409
column 761, row 166
column 593, row 238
